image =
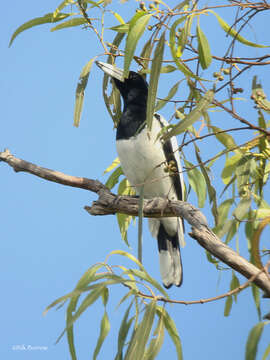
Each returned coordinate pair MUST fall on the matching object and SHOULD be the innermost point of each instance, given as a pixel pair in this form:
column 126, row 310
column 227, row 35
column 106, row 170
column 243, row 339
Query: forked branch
column 109, row 203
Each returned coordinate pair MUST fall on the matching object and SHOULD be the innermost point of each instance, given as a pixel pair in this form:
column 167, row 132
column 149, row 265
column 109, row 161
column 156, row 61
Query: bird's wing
column 170, row 148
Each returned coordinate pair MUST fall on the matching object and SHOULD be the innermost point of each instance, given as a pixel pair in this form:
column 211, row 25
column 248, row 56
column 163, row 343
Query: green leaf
column 257, row 298
column 129, row 256
column 234, row 284
column 145, row 276
column 232, row 32
column 253, row 340
column 123, row 224
column 136, row 30
column 125, row 188
column 105, row 296
column 123, row 28
column 48, row 18
column 167, row 69
column 61, row 7
column 211, row 258
column 204, row 51
column 104, row 330
column 223, row 210
column 156, row 343
column 228, row 305
column 172, row 331
column 88, row 301
column 140, row 223
column 246, row 166
column 153, row 83
column 181, row 66
column 226, row 140
column 242, row 208
column 137, row 345
column 113, row 165
column 230, row 167
column 146, row 53
column 114, row 97
column 197, row 182
column 114, row 178
column 94, row 4
column 69, row 23
column 266, row 353
column 83, row 80
column 171, row 93
column 232, row 230
column 118, row 17
column 88, row 276
column 192, row 117
column 123, row 332
column 183, row 37
column 70, row 334
column 210, row 189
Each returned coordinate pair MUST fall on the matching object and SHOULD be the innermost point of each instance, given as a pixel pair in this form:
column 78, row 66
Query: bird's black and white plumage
column 144, row 159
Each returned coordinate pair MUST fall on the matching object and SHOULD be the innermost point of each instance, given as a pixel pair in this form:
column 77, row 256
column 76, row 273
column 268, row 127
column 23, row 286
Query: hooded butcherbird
column 146, row 161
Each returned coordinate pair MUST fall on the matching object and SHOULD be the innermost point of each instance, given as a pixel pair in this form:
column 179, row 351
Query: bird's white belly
column 143, row 162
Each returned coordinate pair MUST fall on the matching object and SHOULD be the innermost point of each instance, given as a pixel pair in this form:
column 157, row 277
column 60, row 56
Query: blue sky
column 47, row 239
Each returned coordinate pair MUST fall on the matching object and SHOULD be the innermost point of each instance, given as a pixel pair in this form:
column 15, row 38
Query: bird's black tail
column 169, row 258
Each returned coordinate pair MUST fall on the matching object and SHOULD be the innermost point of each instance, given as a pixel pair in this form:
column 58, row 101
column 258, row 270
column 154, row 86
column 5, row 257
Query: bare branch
column 50, row 175
column 109, row 203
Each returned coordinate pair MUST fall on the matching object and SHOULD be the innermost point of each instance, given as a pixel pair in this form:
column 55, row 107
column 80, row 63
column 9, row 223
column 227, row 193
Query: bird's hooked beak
column 111, row 70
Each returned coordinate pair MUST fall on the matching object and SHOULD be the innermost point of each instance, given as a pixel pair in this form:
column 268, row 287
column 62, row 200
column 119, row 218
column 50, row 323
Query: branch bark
column 109, row 203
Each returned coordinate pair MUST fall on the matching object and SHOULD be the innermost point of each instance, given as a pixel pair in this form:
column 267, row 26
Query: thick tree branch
column 109, row 203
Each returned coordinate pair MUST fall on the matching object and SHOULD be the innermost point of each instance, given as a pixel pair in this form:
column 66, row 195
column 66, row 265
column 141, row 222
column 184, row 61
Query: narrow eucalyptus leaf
column 172, row 331
column 226, row 140
column 113, row 165
column 197, row 182
column 257, row 299
column 70, row 23
column 181, row 66
column 135, row 32
column 104, row 330
column 83, row 80
column 123, row 332
column 171, row 93
column 153, row 83
column 253, row 340
column 266, row 353
column 116, row 112
column 123, row 224
column 48, row 18
column 192, row 117
column 230, row 168
column 145, row 276
column 156, row 342
column 114, row 178
column 123, row 28
column 138, row 344
column 61, row 7
column 210, row 188
column 223, row 210
column 204, row 51
column 242, row 208
column 232, row 32
column 228, row 305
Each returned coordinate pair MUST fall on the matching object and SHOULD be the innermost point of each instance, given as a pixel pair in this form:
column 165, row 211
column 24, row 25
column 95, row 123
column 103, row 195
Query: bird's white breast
column 143, row 162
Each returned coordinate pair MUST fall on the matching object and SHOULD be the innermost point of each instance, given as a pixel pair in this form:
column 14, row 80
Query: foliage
column 173, row 40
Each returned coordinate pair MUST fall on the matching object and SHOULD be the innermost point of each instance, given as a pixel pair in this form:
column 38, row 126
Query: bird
column 148, row 161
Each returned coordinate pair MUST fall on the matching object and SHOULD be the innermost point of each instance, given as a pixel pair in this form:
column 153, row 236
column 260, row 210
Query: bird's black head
column 134, row 89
